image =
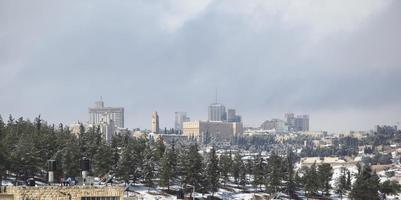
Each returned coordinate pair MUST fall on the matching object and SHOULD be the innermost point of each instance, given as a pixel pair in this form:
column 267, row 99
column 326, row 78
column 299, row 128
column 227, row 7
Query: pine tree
column 167, row 168
column 366, row 185
column 127, row 165
column 341, row 183
column 70, row 159
column 325, row 173
column 242, row 176
column 225, row 165
column 3, row 151
column 102, row 160
column 160, row 148
column 213, row 174
column 148, row 166
column 191, row 163
column 258, row 172
column 311, row 180
column 389, row 187
column 274, row 173
column 290, row 173
column 236, row 167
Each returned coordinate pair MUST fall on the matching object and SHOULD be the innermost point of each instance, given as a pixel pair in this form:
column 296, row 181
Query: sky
column 337, row 60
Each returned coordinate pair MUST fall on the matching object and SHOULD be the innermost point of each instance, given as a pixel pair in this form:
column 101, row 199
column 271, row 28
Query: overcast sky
column 338, row 61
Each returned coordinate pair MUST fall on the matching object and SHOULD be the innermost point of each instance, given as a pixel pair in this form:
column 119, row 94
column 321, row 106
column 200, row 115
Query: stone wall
column 61, row 193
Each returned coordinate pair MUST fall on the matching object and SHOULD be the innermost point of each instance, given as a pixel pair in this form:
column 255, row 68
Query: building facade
column 99, row 112
column 155, row 123
column 180, row 118
column 212, row 130
column 217, row 112
column 298, row 123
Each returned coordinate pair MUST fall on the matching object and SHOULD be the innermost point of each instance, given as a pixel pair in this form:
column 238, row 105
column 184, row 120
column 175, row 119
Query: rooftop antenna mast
column 216, row 95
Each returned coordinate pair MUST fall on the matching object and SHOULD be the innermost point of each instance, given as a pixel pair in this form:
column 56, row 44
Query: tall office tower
column 155, row 123
column 302, row 123
column 232, row 117
column 290, row 120
column 217, row 112
column 97, row 113
column 180, row 118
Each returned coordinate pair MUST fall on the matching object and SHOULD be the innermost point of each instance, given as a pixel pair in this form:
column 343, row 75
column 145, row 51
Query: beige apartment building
column 219, row 131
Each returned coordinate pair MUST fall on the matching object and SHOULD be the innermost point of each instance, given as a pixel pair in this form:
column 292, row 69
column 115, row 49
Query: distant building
column 99, row 112
column 180, row 118
column 155, row 123
column 298, row 123
column 290, row 119
column 302, row 123
column 274, row 124
column 212, row 131
column 232, row 117
column 217, row 112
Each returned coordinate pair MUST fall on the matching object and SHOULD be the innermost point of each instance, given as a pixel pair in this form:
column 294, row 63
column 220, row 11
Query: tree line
column 26, row 146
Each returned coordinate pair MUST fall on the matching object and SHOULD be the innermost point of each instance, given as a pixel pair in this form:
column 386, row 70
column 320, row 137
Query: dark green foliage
column 225, row 164
column 258, row 172
column 366, row 186
column 310, row 180
column 390, row 187
column 274, row 173
column 212, row 172
column 168, row 167
column 148, row 166
column 325, row 172
column 341, row 185
column 236, row 167
column 192, row 167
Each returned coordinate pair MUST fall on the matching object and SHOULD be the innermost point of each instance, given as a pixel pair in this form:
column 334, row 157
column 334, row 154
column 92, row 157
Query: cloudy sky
column 337, row 60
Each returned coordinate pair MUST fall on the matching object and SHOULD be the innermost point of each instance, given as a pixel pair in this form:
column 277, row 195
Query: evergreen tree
column 366, row 185
column 325, row 173
column 390, row 187
column 341, row 183
column 70, row 159
column 213, row 174
column 167, row 170
column 191, row 163
column 311, row 180
column 236, row 167
column 160, row 148
column 3, row 151
column 102, row 160
column 290, row 173
column 258, row 172
column 225, row 167
column 274, row 173
column 127, row 167
column 242, row 176
column 148, row 167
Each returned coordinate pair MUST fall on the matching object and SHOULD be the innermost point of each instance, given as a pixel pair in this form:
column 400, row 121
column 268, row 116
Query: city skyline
column 339, row 64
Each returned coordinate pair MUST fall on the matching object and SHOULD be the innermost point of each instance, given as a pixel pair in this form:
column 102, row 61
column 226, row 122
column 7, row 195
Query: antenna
column 216, row 95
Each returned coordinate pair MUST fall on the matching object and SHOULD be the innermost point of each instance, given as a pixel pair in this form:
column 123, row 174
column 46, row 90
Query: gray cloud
column 56, row 59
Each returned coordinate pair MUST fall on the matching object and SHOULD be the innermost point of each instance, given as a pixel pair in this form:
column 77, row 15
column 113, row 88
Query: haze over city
column 265, row 58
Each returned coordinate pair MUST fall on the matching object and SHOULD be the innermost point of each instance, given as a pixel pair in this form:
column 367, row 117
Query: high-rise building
column 232, row 117
column 302, row 123
column 155, row 123
column 180, row 118
column 99, row 112
column 298, row 123
column 290, row 120
column 274, row 124
column 217, row 112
